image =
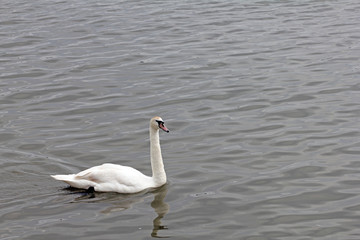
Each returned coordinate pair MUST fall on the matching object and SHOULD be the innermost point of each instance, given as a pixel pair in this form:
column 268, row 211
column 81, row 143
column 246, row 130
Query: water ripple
column 261, row 98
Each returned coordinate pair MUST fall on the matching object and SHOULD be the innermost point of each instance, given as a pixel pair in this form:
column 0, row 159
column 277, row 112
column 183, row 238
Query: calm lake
column 262, row 99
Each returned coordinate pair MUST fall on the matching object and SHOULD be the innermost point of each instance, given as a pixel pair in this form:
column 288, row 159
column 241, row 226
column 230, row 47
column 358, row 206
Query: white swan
column 122, row 179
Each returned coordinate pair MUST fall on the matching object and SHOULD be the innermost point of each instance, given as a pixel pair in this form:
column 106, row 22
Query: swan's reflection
column 161, row 208
column 120, row 202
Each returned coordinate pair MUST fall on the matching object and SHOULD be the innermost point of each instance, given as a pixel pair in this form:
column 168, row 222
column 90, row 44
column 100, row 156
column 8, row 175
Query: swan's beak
column 162, row 126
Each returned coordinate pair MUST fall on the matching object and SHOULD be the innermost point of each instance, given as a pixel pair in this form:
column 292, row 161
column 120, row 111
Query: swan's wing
column 112, row 177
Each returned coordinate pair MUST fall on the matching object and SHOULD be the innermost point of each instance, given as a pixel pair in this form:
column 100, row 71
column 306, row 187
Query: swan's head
column 157, row 123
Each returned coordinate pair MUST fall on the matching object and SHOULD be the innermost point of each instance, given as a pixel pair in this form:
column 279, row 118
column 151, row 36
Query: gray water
column 261, row 97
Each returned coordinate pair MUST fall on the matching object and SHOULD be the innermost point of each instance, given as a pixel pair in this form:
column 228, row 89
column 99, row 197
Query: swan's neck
column 157, row 165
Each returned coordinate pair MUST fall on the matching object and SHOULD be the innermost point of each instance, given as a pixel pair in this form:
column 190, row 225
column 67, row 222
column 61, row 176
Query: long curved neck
column 157, row 165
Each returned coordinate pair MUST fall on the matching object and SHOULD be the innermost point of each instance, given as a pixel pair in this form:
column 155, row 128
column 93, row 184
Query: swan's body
column 122, row 179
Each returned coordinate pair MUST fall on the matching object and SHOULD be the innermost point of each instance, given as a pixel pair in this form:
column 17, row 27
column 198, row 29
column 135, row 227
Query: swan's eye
column 160, row 122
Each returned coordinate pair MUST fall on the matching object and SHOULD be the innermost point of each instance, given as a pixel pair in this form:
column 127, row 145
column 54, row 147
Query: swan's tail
column 73, row 181
column 64, row 178
column 69, row 179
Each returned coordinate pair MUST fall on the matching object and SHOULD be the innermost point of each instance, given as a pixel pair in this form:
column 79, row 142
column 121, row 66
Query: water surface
column 261, row 97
